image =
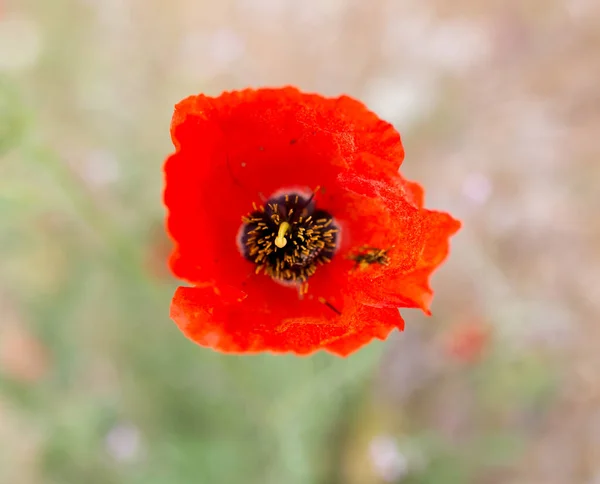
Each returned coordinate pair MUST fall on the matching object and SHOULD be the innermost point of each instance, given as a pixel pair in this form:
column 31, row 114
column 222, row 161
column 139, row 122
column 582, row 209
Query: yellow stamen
column 280, row 240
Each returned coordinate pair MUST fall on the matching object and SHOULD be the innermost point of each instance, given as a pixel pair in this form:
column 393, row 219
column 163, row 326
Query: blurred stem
column 338, row 375
column 311, row 400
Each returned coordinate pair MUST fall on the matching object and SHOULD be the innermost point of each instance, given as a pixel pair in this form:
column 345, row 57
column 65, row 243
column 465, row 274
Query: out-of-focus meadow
column 499, row 106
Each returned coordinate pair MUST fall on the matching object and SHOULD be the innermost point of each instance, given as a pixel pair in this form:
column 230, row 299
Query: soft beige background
column 499, row 107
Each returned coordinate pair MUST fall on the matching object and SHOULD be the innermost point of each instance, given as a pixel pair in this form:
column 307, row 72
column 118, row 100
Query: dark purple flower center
column 288, row 237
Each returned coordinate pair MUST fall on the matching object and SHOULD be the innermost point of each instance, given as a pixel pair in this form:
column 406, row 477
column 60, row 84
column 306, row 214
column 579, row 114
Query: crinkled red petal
column 415, row 256
column 417, row 239
column 232, row 323
column 364, row 335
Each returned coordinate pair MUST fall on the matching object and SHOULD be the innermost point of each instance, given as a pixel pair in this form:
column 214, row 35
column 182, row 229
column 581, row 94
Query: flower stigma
column 280, row 240
column 288, row 238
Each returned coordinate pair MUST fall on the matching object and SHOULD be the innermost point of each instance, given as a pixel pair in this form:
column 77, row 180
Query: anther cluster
column 288, row 238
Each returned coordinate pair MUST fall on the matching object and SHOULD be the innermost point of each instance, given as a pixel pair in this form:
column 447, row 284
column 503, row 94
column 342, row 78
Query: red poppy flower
column 290, row 219
column 466, row 342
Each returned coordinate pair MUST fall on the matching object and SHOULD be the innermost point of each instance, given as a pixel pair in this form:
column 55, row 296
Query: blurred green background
column 499, row 107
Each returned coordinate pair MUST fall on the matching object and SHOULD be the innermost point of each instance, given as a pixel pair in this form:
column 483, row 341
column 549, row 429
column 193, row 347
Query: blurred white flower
column 314, row 13
column 267, row 12
column 123, row 442
column 100, row 168
column 539, row 135
column 401, row 101
column 581, row 9
column 113, row 14
column 458, row 45
column 20, row 42
column 226, row 46
column 450, row 45
column 205, row 54
column 406, row 28
column 389, row 463
column 477, row 188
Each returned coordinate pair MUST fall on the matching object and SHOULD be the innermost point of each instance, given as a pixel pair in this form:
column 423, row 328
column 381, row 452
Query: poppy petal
column 364, row 335
column 229, row 325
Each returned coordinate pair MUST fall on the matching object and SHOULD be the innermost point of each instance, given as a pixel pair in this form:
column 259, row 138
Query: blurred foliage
column 196, row 416
column 13, row 117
